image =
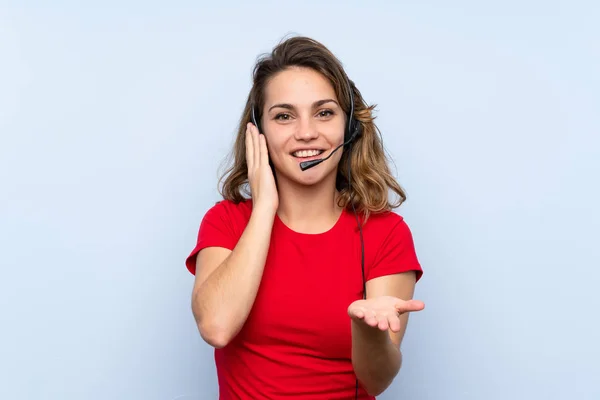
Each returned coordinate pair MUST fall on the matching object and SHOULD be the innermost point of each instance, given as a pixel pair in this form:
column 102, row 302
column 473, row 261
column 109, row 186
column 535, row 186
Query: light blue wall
column 113, row 122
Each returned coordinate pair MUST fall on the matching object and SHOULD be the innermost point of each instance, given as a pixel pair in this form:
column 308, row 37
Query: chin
column 308, row 177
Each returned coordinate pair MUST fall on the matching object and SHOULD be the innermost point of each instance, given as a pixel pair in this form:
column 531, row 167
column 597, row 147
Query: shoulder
column 229, row 206
column 384, row 223
column 221, row 226
column 229, row 210
column 393, row 248
column 388, row 229
column 227, row 216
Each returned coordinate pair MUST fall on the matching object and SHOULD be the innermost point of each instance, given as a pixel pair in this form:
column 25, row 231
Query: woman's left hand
column 383, row 312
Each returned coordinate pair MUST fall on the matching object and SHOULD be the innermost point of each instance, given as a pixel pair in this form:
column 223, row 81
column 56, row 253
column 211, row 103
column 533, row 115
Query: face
column 302, row 120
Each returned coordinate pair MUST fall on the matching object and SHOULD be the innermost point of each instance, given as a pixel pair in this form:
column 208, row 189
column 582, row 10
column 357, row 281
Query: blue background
column 114, row 120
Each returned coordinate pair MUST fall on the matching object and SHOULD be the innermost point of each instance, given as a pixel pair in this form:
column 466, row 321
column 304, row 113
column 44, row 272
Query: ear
column 355, row 131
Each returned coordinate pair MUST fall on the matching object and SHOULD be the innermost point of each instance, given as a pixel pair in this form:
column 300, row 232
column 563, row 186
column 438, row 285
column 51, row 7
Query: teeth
column 306, row 153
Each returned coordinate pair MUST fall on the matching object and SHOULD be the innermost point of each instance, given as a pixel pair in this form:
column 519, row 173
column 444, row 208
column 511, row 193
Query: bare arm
column 227, row 281
column 376, row 354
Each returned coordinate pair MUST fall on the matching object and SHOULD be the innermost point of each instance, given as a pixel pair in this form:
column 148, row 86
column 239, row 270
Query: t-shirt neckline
column 319, row 235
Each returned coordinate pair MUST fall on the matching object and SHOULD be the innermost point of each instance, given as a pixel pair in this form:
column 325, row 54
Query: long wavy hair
column 371, row 179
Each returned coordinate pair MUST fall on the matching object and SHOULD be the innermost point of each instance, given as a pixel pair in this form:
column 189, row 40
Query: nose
column 307, row 129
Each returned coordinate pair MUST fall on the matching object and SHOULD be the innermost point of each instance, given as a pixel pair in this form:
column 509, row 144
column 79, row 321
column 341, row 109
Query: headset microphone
column 304, row 165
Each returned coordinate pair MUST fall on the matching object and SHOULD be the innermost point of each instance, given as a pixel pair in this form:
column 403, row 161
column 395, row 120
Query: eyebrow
column 315, row 104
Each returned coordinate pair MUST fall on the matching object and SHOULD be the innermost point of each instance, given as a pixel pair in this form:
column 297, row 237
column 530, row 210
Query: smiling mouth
column 305, row 154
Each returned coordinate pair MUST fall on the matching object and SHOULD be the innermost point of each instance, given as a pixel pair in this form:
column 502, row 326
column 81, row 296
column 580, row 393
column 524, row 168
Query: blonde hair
column 371, row 179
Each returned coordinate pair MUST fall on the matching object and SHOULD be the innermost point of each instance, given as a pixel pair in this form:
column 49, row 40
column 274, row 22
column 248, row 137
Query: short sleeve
column 396, row 254
column 216, row 229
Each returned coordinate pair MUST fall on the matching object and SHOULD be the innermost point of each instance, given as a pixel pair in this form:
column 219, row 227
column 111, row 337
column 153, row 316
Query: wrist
column 263, row 211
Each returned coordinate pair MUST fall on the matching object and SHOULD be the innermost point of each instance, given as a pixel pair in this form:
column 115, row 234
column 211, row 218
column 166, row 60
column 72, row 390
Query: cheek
column 334, row 132
column 275, row 149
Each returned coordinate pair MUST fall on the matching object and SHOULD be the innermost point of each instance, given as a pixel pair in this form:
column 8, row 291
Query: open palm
column 383, row 312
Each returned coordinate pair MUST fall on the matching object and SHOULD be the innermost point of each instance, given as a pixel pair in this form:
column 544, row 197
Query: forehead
column 298, row 86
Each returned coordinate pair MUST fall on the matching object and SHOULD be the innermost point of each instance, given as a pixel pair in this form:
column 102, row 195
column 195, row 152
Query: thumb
column 409, row 306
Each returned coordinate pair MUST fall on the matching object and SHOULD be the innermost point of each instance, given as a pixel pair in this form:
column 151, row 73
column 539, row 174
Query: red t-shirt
column 296, row 342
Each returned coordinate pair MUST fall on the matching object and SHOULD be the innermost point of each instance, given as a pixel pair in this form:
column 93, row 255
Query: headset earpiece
column 354, row 126
column 354, row 131
column 254, row 120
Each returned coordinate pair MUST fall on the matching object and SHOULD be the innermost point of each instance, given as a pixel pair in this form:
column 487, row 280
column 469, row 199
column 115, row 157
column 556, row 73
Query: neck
column 308, row 209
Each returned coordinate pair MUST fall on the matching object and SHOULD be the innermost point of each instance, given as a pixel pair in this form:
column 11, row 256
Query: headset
column 353, row 130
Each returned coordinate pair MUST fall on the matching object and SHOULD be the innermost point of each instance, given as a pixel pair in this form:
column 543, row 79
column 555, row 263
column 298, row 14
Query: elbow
column 211, row 331
column 214, row 328
column 215, row 334
column 216, row 340
column 376, row 389
column 376, row 382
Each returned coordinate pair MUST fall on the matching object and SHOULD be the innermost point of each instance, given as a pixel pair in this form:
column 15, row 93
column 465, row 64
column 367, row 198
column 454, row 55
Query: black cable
column 362, row 245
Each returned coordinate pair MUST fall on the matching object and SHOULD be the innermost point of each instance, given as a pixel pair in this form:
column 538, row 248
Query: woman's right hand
column 260, row 175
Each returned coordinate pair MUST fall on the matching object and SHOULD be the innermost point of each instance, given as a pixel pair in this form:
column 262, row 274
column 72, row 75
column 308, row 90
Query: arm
column 227, row 281
column 376, row 355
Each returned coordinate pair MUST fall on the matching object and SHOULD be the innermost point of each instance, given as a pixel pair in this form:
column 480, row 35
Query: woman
column 304, row 284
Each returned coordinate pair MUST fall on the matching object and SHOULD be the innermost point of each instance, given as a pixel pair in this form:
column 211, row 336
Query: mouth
column 307, row 155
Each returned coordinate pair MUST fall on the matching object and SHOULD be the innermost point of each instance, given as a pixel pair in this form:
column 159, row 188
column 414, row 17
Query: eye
column 282, row 117
column 325, row 113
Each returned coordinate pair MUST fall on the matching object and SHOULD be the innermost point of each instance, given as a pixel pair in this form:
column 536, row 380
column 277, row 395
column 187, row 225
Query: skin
column 300, row 111
column 296, row 114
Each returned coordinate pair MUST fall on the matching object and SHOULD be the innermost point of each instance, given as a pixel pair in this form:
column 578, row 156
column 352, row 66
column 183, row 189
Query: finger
column 255, row 145
column 371, row 319
column 383, row 323
column 357, row 312
column 264, row 152
column 394, row 322
column 249, row 149
column 409, row 306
